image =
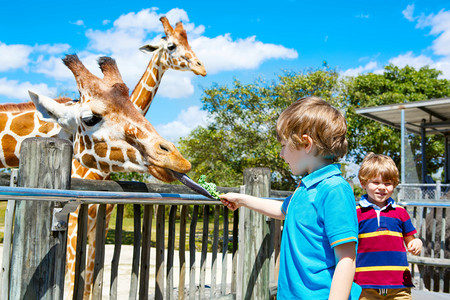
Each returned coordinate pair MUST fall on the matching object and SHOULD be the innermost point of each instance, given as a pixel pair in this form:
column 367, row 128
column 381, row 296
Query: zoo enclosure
column 253, row 271
column 44, row 277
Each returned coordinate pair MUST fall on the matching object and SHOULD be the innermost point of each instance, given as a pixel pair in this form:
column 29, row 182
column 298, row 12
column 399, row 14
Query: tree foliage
column 242, row 134
column 395, row 85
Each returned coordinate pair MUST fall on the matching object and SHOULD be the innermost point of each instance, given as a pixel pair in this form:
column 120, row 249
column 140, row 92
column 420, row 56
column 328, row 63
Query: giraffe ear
column 49, row 110
column 149, row 48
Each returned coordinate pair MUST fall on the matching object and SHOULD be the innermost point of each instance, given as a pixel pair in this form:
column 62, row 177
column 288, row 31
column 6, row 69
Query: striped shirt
column 381, row 261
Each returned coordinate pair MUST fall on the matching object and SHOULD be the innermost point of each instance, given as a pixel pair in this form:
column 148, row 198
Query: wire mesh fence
column 423, row 192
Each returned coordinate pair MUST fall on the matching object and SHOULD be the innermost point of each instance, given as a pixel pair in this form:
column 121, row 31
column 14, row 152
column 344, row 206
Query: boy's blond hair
column 378, row 164
column 318, row 119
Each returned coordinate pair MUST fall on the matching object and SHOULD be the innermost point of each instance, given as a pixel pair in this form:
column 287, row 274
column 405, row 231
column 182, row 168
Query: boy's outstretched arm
column 344, row 272
column 413, row 244
column 268, row 207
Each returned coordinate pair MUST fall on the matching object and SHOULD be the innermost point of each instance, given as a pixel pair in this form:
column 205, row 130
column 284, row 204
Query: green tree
column 242, row 131
column 395, row 85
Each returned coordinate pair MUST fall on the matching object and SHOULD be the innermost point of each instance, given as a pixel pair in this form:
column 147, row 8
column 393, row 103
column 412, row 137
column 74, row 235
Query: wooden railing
column 433, row 227
column 244, row 246
column 245, row 276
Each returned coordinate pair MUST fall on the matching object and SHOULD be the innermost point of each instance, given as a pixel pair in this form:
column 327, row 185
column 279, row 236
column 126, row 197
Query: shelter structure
column 420, row 117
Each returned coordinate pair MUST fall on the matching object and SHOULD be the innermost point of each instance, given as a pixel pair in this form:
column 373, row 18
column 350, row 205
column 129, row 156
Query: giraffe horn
column 167, row 28
column 78, row 69
column 109, row 69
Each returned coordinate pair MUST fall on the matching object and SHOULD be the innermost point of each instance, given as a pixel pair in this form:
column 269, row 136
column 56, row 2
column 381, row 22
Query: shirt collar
column 364, row 202
column 321, row 174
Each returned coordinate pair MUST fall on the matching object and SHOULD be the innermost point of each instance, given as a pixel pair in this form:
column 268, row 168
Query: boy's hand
column 415, row 246
column 231, row 200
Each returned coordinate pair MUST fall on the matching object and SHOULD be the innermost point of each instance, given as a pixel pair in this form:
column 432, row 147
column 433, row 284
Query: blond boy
column 318, row 247
column 384, row 230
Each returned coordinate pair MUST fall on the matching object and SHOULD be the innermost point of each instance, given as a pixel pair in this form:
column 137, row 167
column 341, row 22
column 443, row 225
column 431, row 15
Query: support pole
column 39, row 254
column 403, row 149
column 423, row 150
column 254, row 240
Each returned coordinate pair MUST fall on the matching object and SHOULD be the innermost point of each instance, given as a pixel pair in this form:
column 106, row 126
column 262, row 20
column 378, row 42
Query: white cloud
column 78, row 23
column 185, row 122
column 14, row 56
column 408, row 12
column 411, row 60
column 121, row 40
column 55, row 49
column 371, row 66
column 223, row 54
column 19, row 90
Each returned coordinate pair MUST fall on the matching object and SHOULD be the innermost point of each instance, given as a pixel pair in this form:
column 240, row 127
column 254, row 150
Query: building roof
column 435, row 112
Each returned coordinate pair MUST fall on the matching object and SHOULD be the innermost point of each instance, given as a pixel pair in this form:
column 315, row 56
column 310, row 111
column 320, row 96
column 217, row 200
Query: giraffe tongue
column 184, row 179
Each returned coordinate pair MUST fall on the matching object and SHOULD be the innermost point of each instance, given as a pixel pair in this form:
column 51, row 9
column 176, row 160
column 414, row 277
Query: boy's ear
column 308, row 142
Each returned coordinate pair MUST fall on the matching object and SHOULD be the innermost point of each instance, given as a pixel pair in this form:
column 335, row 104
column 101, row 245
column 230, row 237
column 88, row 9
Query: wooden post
column 39, row 254
column 254, row 240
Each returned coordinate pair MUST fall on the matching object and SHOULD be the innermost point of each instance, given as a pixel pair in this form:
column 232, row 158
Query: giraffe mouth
column 163, row 174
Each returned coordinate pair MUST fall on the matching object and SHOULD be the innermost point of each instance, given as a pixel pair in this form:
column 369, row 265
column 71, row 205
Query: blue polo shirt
column 320, row 215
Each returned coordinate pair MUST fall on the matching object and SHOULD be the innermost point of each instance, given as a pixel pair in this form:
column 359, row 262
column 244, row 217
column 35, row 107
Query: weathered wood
column 136, row 252
column 99, row 261
column 234, row 250
column 116, row 254
column 204, row 251
column 170, row 252
column 255, row 234
column 145, row 257
column 215, row 250
column 44, row 163
column 159, row 277
column 193, row 227
column 7, row 239
column 80, row 256
column 225, row 236
column 182, row 253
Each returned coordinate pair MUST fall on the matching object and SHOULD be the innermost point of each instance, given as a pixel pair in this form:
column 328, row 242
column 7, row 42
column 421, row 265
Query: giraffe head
column 174, row 50
column 108, row 132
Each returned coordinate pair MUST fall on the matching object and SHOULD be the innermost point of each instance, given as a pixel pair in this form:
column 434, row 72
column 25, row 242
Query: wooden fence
column 243, row 246
column 43, row 257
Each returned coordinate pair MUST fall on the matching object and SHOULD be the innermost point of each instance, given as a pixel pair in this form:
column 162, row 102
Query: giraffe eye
column 171, row 46
column 91, row 120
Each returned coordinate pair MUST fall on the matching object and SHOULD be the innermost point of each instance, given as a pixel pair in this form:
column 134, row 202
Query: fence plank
column 205, row 233
column 116, row 254
column 182, row 253
column 235, row 250
column 256, row 238
column 160, row 237
column 99, row 262
column 193, row 227
column 145, row 257
column 44, row 163
column 215, row 250
column 80, row 257
column 7, row 239
column 225, row 236
column 136, row 252
column 170, row 252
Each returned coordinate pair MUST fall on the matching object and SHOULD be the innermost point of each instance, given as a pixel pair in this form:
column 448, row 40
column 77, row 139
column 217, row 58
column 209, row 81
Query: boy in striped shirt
column 384, row 230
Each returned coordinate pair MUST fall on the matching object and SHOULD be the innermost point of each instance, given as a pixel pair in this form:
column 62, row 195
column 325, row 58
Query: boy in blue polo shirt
column 318, row 247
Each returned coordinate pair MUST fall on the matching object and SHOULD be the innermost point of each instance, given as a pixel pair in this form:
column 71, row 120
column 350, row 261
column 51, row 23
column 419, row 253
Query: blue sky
column 234, row 39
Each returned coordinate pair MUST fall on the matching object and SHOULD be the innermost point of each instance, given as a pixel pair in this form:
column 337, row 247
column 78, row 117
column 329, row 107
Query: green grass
column 2, row 218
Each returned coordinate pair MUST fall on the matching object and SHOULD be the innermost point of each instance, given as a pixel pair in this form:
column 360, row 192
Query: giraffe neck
column 15, row 127
column 144, row 92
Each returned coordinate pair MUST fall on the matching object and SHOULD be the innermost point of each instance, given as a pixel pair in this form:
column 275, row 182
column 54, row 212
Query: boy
column 318, row 247
column 384, row 230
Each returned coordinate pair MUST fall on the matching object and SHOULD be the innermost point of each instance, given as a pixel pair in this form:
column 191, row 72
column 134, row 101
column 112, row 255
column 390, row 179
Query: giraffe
column 172, row 52
column 108, row 132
